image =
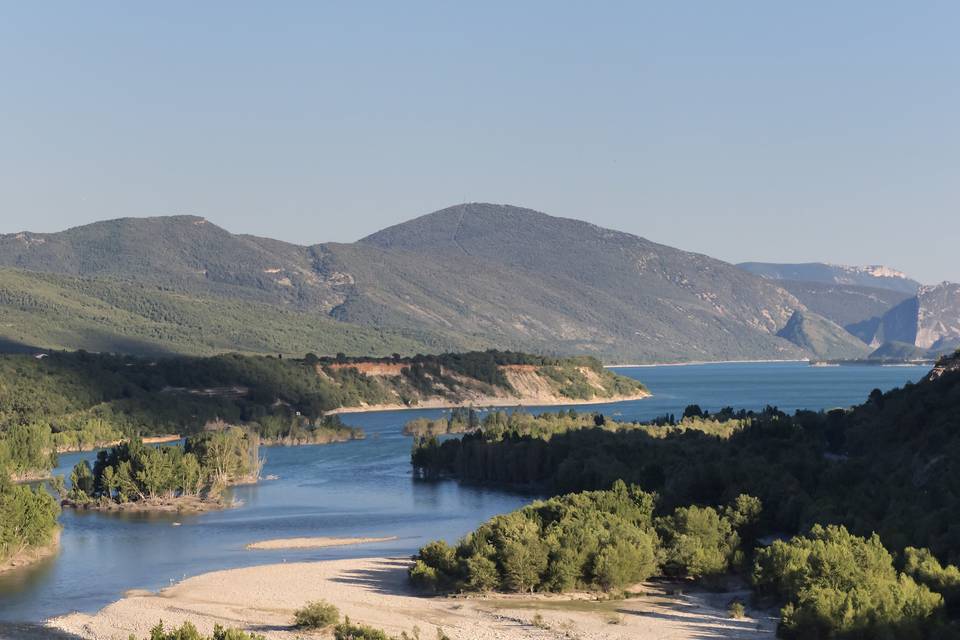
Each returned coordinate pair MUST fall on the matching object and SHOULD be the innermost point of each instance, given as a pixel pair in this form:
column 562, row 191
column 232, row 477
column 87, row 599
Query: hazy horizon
column 747, row 132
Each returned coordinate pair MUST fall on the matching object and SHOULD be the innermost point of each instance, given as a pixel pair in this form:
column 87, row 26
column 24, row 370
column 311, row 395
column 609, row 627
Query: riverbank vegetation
column 829, row 583
column 133, row 474
column 28, row 520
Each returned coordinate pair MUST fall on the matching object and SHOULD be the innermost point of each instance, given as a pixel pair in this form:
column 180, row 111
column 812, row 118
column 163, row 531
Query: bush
column 594, row 539
column 348, row 631
column 736, row 610
column 316, row 615
column 189, row 632
column 836, row 584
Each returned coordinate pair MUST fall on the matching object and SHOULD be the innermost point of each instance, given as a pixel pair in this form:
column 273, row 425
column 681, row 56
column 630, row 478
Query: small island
column 134, row 476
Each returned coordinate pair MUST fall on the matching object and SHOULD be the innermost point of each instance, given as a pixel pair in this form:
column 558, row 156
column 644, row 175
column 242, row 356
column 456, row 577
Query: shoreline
column 164, row 439
column 485, row 402
column 376, row 592
column 31, row 555
column 190, row 504
column 699, row 362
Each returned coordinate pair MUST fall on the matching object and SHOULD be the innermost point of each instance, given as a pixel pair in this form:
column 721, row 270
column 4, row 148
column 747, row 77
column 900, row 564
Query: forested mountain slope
column 473, row 276
column 106, row 314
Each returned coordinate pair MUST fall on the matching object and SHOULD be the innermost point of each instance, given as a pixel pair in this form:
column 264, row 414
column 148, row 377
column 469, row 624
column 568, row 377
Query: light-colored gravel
column 375, row 591
column 314, row 543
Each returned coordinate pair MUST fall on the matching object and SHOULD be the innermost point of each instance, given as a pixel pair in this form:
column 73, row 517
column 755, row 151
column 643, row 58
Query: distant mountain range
column 877, row 276
column 472, row 276
column 895, row 316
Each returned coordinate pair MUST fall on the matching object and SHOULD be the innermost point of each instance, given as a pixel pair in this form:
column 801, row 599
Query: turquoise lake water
column 365, row 488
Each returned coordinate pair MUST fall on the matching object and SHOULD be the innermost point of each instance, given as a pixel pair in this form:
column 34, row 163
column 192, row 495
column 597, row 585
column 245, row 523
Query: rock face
column 877, row 276
column 938, row 316
column 929, row 321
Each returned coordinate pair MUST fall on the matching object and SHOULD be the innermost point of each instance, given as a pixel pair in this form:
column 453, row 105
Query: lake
column 365, row 488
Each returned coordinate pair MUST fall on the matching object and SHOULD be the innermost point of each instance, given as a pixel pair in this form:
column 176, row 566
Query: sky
column 774, row 131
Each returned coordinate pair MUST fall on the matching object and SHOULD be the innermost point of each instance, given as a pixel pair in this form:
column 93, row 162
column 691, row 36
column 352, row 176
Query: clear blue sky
column 746, row 130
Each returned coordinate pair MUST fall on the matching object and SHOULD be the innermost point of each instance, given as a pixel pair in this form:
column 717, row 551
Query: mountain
column 473, row 276
column 180, row 252
column 844, row 304
column 822, row 337
column 877, row 276
column 519, row 277
column 930, row 320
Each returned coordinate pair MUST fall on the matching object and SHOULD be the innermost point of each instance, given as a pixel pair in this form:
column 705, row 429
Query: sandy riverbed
column 375, row 591
column 314, row 543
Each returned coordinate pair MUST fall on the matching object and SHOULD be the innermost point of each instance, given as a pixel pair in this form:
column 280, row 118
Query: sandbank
column 375, row 591
column 313, row 543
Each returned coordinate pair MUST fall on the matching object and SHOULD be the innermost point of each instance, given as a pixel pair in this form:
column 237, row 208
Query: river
column 365, row 488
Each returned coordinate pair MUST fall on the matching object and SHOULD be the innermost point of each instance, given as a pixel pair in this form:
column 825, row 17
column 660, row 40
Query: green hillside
column 821, row 337
column 65, row 312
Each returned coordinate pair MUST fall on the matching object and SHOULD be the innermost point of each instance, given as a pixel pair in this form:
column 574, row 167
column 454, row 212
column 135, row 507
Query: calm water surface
column 365, row 488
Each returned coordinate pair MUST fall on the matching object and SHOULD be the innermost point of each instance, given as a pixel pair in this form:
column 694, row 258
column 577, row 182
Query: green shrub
column 836, row 584
column 347, row 631
column 316, row 615
column 189, row 632
column 736, row 610
column 593, row 539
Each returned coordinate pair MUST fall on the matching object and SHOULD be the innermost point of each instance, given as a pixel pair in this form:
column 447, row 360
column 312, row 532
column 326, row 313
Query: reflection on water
column 362, row 488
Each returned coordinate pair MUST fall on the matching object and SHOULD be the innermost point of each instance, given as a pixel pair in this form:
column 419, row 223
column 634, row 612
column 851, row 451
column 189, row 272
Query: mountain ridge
column 879, row 276
column 470, row 276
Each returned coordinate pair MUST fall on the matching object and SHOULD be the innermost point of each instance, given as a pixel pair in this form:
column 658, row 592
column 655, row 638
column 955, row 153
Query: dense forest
column 201, row 469
column 839, row 481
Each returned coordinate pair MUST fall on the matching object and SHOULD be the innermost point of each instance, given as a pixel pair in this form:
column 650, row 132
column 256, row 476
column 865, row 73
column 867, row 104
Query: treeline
column 511, row 447
column 134, row 472
column 479, row 365
column 830, row 583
